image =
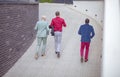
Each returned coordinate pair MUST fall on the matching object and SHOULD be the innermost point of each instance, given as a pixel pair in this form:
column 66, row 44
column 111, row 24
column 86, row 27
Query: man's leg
column 44, row 45
column 38, row 47
column 58, row 37
column 87, row 51
column 82, row 50
column 59, row 44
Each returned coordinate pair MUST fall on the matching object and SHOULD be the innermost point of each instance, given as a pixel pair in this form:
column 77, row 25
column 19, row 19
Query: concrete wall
column 63, row 1
column 14, row 0
column 20, row 1
column 111, row 51
column 16, row 32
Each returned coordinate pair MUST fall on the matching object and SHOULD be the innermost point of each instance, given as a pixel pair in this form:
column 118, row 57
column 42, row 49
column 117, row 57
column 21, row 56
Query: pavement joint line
column 83, row 14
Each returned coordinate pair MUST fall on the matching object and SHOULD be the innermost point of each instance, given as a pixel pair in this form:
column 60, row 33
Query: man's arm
column 51, row 25
column 92, row 33
column 64, row 24
column 47, row 27
column 36, row 26
column 79, row 31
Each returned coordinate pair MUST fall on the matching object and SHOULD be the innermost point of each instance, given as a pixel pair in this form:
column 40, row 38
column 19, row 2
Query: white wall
column 111, row 51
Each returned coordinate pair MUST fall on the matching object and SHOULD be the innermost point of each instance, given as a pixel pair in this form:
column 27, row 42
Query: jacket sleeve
column 92, row 33
column 79, row 31
column 52, row 23
column 64, row 24
column 36, row 26
column 47, row 27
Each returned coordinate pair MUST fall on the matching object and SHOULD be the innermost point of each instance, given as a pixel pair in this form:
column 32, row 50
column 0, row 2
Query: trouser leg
column 82, row 49
column 87, row 50
column 39, row 40
column 38, row 47
column 44, row 45
column 58, row 37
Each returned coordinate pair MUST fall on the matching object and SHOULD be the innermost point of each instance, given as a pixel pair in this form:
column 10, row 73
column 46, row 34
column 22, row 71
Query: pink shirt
column 58, row 22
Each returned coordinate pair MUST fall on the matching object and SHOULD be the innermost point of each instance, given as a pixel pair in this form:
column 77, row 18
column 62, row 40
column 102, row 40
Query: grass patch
column 42, row 1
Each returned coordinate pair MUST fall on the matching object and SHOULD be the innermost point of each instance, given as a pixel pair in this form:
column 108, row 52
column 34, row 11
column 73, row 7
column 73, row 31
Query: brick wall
column 14, row 0
column 16, row 32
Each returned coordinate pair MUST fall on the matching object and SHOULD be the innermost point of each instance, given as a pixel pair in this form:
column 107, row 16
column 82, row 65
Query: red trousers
column 84, row 45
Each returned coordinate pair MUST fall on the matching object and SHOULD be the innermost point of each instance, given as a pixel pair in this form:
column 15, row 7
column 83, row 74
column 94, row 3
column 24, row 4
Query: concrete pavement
column 68, row 65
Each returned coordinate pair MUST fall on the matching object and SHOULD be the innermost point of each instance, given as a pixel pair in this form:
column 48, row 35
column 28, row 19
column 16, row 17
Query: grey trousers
column 58, row 38
column 42, row 40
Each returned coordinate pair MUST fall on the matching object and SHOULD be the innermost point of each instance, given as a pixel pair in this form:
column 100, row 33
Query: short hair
column 87, row 20
column 57, row 13
column 43, row 17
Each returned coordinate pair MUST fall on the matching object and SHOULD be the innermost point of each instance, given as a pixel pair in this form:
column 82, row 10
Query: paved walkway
column 68, row 65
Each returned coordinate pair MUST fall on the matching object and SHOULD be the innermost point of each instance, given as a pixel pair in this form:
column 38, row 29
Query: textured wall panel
column 63, row 1
column 58, row 1
column 16, row 32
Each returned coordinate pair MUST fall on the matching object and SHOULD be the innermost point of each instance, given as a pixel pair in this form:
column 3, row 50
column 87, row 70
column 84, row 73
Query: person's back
column 85, row 32
column 57, row 24
column 41, row 28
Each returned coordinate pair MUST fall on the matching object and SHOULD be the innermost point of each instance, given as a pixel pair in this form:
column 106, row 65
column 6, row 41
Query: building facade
column 17, row 20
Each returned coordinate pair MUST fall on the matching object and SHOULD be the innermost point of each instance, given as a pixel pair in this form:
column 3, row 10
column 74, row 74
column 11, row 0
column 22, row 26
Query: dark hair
column 87, row 20
column 57, row 13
